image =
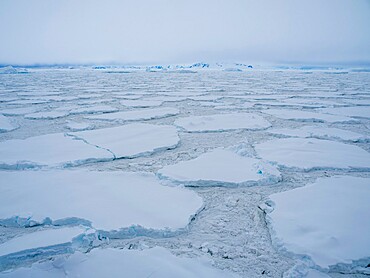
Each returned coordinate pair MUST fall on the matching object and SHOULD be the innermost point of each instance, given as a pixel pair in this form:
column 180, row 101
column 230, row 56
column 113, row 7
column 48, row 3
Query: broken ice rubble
column 107, row 200
column 313, row 153
column 326, row 220
column 221, row 168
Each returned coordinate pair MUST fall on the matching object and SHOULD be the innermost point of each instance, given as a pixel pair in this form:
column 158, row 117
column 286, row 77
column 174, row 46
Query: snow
column 46, row 115
column 220, row 167
column 6, row 124
column 40, row 239
column 326, row 220
column 109, row 200
column 321, row 133
column 313, row 153
column 55, row 149
column 137, row 114
column 155, row 263
column 299, row 115
column 356, row 111
column 223, row 122
column 141, row 103
column 132, row 140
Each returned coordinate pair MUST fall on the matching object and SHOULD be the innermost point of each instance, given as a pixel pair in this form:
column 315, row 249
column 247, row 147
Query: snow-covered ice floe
column 356, row 111
column 299, row 115
column 131, row 140
column 40, row 240
column 321, row 133
column 108, row 201
column 114, row 263
column 19, row 111
column 223, row 122
column 6, row 124
column 221, row 168
column 326, row 220
column 55, row 149
column 313, row 153
column 141, row 103
column 94, row 109
column 47, row 115
column 135, row 115
column 76, row 148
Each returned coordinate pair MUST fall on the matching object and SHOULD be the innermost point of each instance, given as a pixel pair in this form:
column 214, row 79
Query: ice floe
column 321, row 133
column 221, row 167
column 313, row 153
column 40, row 239
column 6, row 124
column 300, row 115
column 138, row 114
column 94, row 109
column 141, row 103
column 356, row 111
column 47, row 115
column 108, row 200
column 55, row 149
column 114, row 263
column 223, row 122
column 326, row 220
column 131, row 140
column 19, row 111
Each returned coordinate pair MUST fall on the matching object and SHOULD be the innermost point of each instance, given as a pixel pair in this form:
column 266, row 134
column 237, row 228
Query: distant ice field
column 220, row 171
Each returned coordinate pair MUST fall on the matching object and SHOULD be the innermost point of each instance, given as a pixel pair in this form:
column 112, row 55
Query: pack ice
column 223, row 122
column 155, row 263
column 108, row 200
column 220, row 167
column 313, row 153
column 326, row 220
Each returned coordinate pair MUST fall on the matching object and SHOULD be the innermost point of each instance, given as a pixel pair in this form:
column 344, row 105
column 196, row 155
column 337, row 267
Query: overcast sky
column 170, row 31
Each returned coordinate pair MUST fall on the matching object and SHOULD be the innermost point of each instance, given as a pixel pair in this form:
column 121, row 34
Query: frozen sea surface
column 132, row 141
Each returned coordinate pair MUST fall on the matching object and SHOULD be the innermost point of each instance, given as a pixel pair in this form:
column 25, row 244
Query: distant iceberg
column 12, row 70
